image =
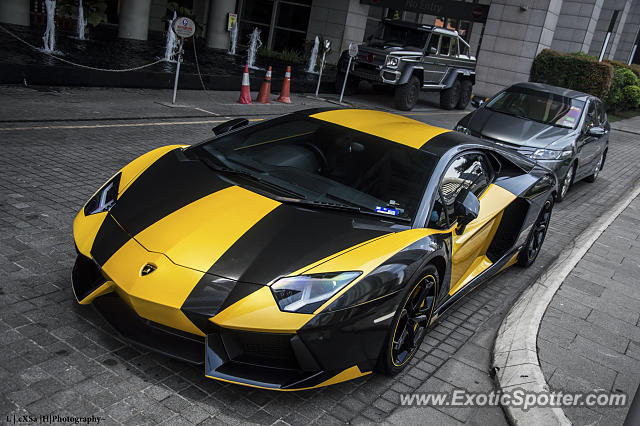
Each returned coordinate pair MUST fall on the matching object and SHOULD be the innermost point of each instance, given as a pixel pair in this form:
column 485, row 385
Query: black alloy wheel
column 596, row 172
column 531, row 249
column 410, row 323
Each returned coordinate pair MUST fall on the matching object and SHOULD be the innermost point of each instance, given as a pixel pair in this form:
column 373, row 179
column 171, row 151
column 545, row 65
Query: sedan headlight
column 105, row 198
column 392, row 61
column 306, row 293
column 462, row 129
column 550, row 154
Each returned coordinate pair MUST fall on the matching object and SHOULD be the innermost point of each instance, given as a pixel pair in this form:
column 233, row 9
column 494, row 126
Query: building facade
column 505, row 35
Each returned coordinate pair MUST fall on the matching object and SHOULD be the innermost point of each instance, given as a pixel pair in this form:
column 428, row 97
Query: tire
column 406, row 95
column 592, row 178
column 351, row 87
column 567, row 181
column 400, row 346
column 466, row 88
column 529, row 252
column 450, row 97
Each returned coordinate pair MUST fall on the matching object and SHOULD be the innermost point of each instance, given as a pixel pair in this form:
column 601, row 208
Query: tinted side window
column 444, row 45
column 469, row 171
column 454, row 46
column 433, row 42
column 602, row 116
column 438, row 216
column 591, row 119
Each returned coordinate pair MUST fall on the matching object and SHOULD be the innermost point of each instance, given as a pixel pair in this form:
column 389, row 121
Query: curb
column 515, row 353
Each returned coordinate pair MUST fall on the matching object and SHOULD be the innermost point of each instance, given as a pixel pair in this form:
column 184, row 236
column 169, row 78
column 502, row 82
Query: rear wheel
column 465, row 94
column 529, row 252
column 450, row 97
column 596, row 172
column 406, row 95
column 409, row 324
column 566, row 183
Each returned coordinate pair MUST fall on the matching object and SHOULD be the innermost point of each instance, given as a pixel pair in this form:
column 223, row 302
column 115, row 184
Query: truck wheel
column 465, row 94
column 449, row 97
column 352, row 84
column 406, row 95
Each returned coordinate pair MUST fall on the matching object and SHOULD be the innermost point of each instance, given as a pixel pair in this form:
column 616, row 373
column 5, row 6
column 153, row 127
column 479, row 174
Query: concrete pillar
column 217, row 34
column 134, row 19
column 14, row 12
column 576, row 25
column 629, row 32
column 513, row 36
column 600, row 33
column 341, row 21
column 618, row 31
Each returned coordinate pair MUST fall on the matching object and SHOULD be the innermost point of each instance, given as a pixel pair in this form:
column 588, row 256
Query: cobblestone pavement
column 61, row 358
column 589, row 338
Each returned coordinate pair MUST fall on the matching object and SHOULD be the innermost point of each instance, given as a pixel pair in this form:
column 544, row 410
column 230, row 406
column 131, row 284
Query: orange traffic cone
column 284, row 94
column 264, row 97
column 245, row 93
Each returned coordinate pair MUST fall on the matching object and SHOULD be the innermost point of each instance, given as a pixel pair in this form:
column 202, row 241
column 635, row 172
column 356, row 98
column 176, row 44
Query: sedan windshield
column 325, row 165
column 544, row 107
column 389, row 34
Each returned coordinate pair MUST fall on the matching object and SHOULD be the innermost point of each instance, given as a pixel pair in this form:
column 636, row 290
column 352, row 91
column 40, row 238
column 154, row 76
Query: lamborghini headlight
column 105, row 198
column 392, row 61
column 550, row 154
column 306, row 293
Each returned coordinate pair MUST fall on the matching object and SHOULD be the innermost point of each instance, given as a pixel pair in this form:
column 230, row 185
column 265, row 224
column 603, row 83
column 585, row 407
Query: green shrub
column 291, row 56
column 636, row 69
column 574, row 71
column 631, row 96
column 628, row 77
column 266, row 52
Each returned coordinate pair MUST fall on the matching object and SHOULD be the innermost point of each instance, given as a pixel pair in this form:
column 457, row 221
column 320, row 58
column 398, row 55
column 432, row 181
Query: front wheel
column 406, row 95
column 410, row 323
column 529, row 252
column 450, row 97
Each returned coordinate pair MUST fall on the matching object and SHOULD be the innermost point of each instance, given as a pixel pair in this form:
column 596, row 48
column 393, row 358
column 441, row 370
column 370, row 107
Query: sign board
column 452, row 9
column 184, row 27
column 232, row 21
column 353, row 50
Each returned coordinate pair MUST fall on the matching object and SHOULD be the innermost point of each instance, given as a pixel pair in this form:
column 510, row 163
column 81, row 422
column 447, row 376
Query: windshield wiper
column 342, row 207
column 224, row 169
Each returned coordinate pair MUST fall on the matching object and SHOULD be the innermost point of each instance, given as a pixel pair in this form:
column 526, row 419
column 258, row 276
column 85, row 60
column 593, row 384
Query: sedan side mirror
column 230, row 125
column 466, row 208
column 595, row 131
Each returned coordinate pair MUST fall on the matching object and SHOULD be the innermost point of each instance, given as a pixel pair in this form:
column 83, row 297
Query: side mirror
column 476, row 102
column 433, row 50
column 230, row 125
column 466, row 208
column 595, row 131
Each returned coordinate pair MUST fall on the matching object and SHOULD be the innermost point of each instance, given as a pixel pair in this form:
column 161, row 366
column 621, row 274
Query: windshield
column 544, row 107
column 325, row 164
column 396, row 35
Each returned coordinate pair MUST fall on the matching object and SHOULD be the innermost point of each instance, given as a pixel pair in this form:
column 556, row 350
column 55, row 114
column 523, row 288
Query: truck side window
column 444, row 45
column 433, row 42
column 454, row 46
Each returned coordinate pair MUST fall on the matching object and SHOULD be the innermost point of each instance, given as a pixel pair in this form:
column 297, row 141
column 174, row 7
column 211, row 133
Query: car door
column 474, row 172
column 588, row 145
column 434, row 68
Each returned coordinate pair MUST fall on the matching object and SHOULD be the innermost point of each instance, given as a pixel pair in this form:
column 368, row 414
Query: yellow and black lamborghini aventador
column 305, row 250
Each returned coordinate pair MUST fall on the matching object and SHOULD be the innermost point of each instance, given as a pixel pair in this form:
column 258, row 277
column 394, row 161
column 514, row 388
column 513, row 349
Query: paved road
column 62, row 358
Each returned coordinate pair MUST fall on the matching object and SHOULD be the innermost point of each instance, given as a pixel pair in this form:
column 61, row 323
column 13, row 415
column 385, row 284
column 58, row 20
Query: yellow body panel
column 157, row 296
column 198, row 234
column 389, row 126
column 469, row 248
column 260, row 312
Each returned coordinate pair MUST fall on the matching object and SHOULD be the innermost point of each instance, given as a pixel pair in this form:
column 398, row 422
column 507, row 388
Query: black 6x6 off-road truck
column 413, row 57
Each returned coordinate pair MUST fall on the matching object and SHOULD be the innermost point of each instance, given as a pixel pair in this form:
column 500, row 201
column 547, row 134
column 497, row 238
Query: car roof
column 393, row 127
column 541, row 87
column 408, row 24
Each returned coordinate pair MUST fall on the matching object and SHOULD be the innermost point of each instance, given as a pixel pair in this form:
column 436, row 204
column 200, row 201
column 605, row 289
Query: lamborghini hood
column 202, row 221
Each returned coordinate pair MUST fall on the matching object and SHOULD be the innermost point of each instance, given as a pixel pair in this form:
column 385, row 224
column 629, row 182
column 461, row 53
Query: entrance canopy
column 451, row 9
